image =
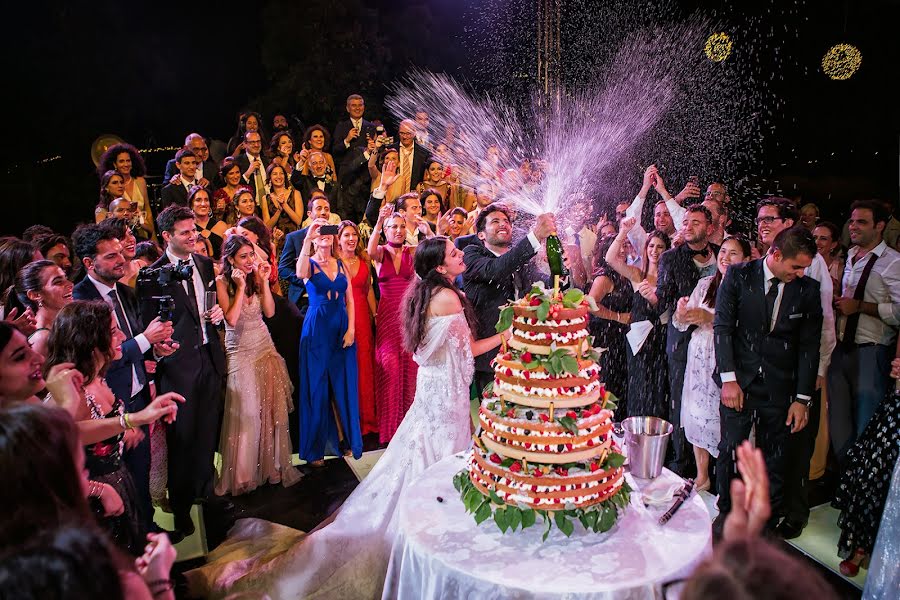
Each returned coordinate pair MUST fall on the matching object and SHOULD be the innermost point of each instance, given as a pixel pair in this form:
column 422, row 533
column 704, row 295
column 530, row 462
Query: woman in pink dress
column 395, row 371
column 358, row 265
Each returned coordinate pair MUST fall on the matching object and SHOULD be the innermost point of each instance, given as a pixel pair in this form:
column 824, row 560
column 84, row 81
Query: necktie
column 771, row 296
column 405, row 170
column 124, row 325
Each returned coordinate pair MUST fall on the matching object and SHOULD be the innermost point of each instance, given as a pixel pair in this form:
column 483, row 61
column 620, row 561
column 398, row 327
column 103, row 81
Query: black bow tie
column 322, row 178
column 702, row 252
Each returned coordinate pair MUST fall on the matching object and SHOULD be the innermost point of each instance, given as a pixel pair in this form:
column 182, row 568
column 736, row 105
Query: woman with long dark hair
column 282, row 206
column 112, row 186
column 317, row 139
column 247, row 121
column 45, row 493
column 42, row 287
column 208, row 226
column 438, row 330
column 701, row 397
column 126, row 160
column 255, row 444
column 609, row 323
column 647, row 367
column 223, row 198
column 87, row 335
column 359, row 270
column 15, row 254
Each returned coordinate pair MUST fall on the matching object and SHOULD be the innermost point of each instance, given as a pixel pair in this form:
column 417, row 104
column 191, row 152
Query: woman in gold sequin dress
column 255, row 444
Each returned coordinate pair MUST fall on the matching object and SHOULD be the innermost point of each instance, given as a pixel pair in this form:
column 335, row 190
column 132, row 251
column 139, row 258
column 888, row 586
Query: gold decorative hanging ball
column 841, row 61
column 718, row 47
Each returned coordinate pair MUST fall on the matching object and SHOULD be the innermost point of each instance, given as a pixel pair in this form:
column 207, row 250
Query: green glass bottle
column 555, row 256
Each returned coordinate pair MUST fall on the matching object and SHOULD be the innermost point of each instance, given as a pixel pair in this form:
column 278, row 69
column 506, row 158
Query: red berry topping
column 590, row 443
column 511, row 413
column 526, row 374
column 516, row 467
column 526, row 357
column 544, row 417
column 535, row 301
column 496, row 459
column 569, row 447
column 561, row 471
column 594, row 467
column 538, row 473
column 571, row 414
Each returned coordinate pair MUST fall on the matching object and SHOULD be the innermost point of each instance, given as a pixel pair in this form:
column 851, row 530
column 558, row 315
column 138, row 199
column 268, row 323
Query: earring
column 40, row 304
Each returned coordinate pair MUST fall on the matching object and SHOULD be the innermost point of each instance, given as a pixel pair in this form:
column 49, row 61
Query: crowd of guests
column 272, row 283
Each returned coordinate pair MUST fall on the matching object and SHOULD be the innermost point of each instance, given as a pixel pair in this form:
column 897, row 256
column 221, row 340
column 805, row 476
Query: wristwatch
column 807, row 403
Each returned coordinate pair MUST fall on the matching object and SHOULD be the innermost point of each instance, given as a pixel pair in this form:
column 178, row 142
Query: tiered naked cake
column 544, row 445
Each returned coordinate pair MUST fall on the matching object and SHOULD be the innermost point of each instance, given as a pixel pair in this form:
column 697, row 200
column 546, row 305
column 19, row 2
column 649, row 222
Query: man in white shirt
column 868, row 316
column 666, row 212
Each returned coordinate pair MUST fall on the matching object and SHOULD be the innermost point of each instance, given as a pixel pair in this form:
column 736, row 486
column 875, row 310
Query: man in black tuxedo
column 679, row 271
column 317, row 179
column 176, row 194
column 317, row 208
column 253, row 164
column 196, row 370
column 351, row 149
column 207, row 171
column 496, row 272
column 414, row 158
column 767, row 326
column 100, row 250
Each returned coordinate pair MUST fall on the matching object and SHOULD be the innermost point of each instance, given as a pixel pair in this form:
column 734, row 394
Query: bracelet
column 128, row 423
column 122, row 423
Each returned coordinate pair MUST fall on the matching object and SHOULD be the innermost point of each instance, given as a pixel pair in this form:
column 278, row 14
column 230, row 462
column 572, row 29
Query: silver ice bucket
column 646, row 439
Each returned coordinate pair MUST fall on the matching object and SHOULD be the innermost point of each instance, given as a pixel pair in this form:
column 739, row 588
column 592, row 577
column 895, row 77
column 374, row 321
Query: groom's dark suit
column 772, row 367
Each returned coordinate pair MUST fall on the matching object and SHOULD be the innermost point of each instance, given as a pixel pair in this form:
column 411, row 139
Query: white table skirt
column 441, row 553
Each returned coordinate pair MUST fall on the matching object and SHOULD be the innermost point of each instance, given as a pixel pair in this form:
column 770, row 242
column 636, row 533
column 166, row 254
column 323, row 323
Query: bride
column 347, row 555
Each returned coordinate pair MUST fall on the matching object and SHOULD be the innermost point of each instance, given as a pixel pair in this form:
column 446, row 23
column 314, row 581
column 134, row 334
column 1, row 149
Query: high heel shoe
column 850, row 566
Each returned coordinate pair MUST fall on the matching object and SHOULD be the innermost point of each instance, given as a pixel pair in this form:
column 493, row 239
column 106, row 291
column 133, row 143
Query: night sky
column 150, row 72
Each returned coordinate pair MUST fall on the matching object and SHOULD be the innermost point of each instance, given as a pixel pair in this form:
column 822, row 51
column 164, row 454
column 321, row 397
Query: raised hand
column 384, row 212
column 263, row 270
column 750, row 508
column 25, row 323
column 239, row 278
column 691, row 190
column 158, row 331
column 443, row 223
column 66, row 384
column 544, row 226
column 389, row 174
column 352, row 135
column 650, row 177
column 627, row 225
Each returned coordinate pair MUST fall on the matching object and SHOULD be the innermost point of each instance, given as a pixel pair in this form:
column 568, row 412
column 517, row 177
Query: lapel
column 757, row 288
column 788, row 300
column 181, row 297
column 129, row 306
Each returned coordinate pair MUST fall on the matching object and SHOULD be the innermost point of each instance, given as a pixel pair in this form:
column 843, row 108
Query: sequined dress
column 347, row 556
column 255, row 444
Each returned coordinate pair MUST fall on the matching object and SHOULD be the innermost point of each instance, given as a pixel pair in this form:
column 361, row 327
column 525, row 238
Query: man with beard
column 774, row 215
column 679, row 271
column 496, row 272
column 100, row 251
column 55, row 247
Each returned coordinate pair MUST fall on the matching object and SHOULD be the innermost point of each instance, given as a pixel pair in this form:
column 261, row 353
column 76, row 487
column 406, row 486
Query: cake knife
column 680, row 497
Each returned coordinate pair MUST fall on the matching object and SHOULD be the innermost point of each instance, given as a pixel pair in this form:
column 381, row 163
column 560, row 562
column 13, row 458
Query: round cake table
column 441, row 553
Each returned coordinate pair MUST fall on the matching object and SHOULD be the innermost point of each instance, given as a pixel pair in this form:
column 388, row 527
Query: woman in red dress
column 358, row 267
column 395, row 371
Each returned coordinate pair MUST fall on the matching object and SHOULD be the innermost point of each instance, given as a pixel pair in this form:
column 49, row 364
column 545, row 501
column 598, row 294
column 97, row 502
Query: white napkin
column 637, row 335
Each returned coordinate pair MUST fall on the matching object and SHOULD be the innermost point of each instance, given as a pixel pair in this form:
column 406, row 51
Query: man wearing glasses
column 773, row 215
column 206, row 168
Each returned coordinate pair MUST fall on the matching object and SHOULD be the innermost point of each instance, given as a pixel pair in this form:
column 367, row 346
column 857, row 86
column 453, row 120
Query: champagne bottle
column 555, row 256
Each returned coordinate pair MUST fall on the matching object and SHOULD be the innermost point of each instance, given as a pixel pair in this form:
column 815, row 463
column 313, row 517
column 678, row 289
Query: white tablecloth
column 440, row 552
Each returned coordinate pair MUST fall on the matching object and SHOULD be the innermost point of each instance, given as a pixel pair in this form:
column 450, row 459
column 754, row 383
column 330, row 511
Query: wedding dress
column 346, row 557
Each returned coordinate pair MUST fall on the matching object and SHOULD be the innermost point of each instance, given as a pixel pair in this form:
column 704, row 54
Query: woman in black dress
column 864, row 486
column 609, row 323
column 648, row 387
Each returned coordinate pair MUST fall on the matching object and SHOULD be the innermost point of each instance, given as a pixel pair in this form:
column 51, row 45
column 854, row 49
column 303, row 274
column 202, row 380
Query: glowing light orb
column 718, row 47
column 841, row 61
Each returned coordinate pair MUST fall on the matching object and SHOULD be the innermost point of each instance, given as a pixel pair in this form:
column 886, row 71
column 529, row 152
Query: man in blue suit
column 100, row 251
column 317, row 208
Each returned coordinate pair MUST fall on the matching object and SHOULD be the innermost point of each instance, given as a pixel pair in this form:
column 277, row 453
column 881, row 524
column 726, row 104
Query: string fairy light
column 841, row 61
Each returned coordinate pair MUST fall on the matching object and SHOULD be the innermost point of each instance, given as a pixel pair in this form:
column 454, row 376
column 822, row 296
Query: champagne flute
column 209, row 303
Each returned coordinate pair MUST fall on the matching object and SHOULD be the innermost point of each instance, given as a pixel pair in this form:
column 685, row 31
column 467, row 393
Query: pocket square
column 796, row 316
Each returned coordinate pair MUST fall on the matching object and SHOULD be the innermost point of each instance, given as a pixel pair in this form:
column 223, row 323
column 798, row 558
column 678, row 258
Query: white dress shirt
column 882, row 288
column 142, row 341
column 638, row 235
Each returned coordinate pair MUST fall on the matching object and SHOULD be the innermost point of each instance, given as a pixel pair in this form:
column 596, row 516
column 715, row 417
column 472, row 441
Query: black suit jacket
column 491, row 281
column 174, row 194
column 787, row 356
column 678, row 276
column 210, row 172
column 180, row 370
column 287, row 266
column 243, row 162
column 119, row 374
column 421, row 158
column 306, row 185
column 339, row 151
column 465, row 240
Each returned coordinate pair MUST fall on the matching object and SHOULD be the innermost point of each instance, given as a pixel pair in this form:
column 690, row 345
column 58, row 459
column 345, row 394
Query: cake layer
column 549, row 336
column 553, row 490
column 516, row 431
column 513, row 371
column 545, row 348
column 530, row 312
column 534, row 401
column 553, row 457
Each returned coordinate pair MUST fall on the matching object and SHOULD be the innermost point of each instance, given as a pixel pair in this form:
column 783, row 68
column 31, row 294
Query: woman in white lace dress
column 701, row 396
column 346, row 556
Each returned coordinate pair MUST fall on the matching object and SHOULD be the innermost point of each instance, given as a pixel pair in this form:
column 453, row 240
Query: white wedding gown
column 346, row 557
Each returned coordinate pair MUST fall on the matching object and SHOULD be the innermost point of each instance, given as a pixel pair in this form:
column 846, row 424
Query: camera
column 379, row 130
column 328, row 230
column 165, row 307
column 163, row 276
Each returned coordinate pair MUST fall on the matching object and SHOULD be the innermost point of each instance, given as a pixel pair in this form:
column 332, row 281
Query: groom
column 768, row 365
column 497, row 272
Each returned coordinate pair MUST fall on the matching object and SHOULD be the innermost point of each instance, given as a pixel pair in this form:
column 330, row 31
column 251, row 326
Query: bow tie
column 322, row 178
column 702, row 252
